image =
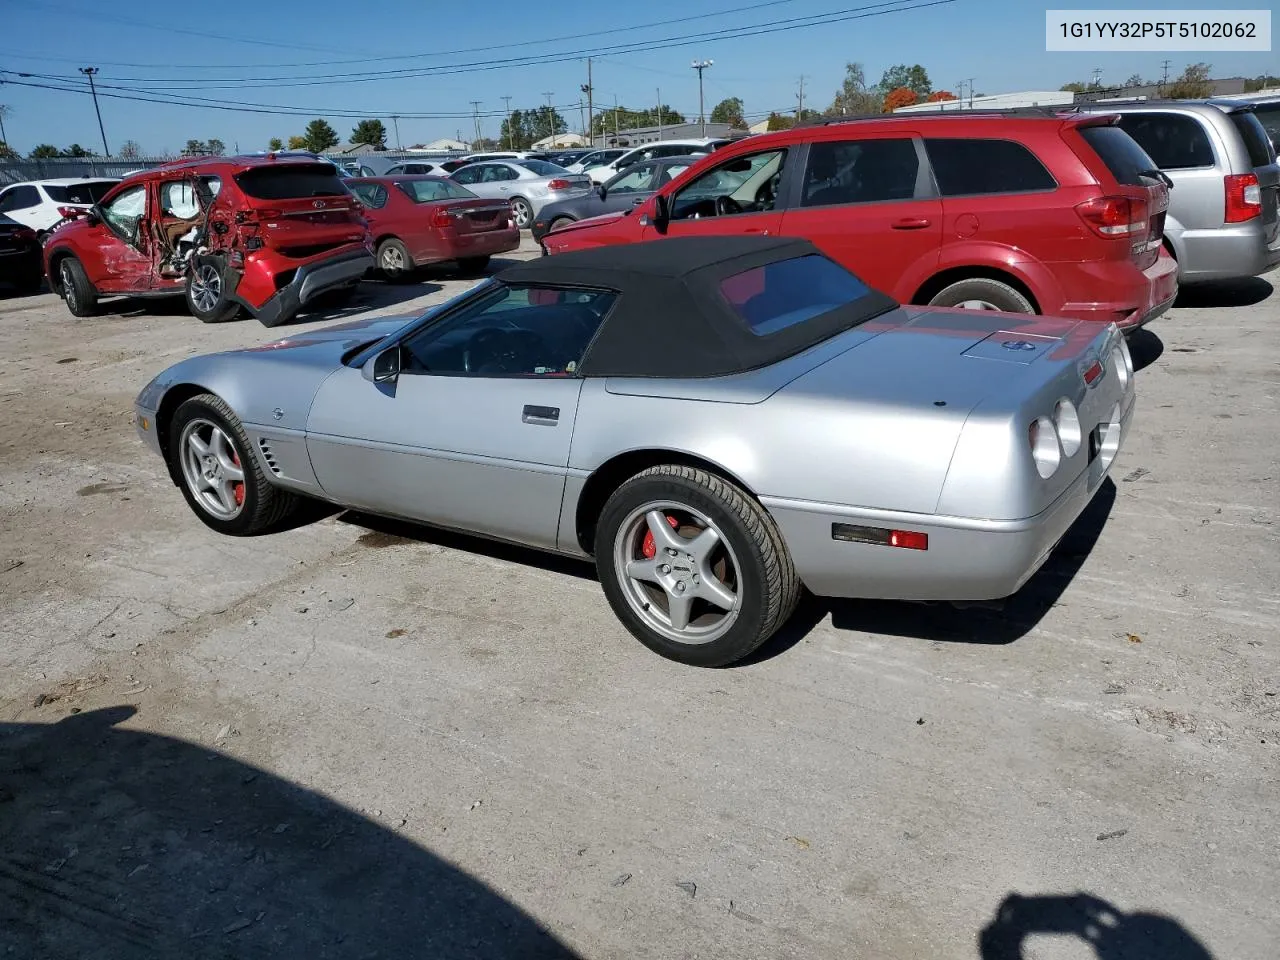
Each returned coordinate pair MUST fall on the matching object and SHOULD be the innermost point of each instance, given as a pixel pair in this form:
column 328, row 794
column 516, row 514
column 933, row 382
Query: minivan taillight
column 1244, row 197
column 1114, row 217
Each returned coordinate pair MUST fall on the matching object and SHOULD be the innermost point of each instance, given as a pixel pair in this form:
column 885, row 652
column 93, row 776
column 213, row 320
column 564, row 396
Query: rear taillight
column 1244, row 197
column 441, row 218
column 1114, row 217
column 559, row 184
column 70, row 213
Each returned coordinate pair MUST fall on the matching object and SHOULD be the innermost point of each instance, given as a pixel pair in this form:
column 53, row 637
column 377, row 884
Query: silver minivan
column 1223, row 219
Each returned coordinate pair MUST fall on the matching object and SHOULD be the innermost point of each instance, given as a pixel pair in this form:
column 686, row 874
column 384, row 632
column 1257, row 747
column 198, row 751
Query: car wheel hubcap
column 392, row 260
column 206, row 288
column 678, row 572
column 68, row 288
column 522, row 212
column 212, row 469
column 977, row 305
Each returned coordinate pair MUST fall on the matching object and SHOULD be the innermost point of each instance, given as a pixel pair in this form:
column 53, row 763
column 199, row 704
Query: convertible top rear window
column 291, row 181
column 787, row 292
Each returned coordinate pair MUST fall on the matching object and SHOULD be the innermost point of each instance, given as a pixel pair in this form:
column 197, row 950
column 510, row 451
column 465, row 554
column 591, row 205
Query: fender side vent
column 268, row 456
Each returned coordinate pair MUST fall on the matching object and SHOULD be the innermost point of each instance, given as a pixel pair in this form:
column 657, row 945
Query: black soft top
column 671, row 319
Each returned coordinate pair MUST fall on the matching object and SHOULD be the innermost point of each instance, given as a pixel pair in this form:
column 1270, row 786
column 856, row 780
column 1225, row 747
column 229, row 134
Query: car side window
column 372, row 195
column 514, row 331
column 124, row 213
column 639, row 177
column 670, row 172
column 468, row 174
column 860, row 171
column 7, row 200
column 20, row 198
column 747, row 184
column 970, row 167
column 1174, row 141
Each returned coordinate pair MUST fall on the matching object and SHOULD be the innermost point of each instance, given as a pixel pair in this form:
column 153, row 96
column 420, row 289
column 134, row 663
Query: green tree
column 75, row 150
column 297, row 143
column 319, row 136
column 914, row 78
column 195, row 148
column 728, row 111
column 854, row 97
column 1135, row 80
column 130, row 150
column 45, row 151
column 372, row 132
column 485, row 145
column 215, row 147
column 275, row 144
column 1075, row 86
column 778, row 121
column 1192, row 84
column 627, row 119
column 1264, row 82
column 7, row 152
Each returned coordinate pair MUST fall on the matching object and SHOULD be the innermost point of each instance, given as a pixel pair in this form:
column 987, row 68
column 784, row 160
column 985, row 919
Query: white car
column 595, row 159
column 36, row 203
column 651, row 151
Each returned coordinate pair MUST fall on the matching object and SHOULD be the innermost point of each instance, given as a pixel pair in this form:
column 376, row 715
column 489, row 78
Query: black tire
column 263, row 506
column 471, row 265
column 559, row 222
column 996, row 294
column 522, row 211
column 394, row 262
column 77, row 291
column 768, row 588
column 204, row 280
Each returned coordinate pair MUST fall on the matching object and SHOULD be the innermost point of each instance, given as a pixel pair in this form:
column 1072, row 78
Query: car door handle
column 637, row 201
column 910, row 223
column 544, row 416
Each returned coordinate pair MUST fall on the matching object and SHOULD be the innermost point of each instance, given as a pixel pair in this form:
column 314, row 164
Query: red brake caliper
column 239, row 487
column 649, row 549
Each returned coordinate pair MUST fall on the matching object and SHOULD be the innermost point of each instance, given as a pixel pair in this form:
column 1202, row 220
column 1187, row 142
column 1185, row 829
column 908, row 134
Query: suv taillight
column 1114, row 217
column 441, row 218
column 1244, row 197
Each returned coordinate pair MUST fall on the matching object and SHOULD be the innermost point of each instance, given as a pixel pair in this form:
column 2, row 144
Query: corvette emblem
column 1018, row 345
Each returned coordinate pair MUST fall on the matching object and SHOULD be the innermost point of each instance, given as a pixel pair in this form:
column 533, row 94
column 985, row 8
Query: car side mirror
column 603, row 190
column 661, row 212
column 383, row 367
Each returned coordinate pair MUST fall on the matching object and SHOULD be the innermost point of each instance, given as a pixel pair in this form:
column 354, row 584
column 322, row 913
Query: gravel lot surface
column 362, row 739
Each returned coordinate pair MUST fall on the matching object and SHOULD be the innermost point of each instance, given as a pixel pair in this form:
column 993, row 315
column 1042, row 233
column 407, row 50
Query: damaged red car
column 417, row 220
column 265, row 234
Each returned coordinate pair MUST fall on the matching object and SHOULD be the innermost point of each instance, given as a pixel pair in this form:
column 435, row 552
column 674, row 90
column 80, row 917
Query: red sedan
column 417, row 220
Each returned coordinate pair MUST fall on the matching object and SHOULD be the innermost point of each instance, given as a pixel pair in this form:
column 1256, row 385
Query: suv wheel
column 982, row 293
column 82, row 299
column 206, row 297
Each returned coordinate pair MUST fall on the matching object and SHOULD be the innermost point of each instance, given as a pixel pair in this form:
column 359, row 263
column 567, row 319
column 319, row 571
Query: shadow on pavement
column 122, row 844
column 370, row 295
column 1145, row 348
column 999, row 622
column 1109, row 931
column 1236, row 292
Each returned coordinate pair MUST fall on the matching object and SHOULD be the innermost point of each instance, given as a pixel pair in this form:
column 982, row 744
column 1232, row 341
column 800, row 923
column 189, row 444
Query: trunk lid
column 476, row 216
column 299, row 208
column 1112, row 154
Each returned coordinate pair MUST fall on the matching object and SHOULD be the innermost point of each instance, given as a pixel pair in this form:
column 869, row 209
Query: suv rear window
column 91, row 191
column 1268, row 115
column 965, row 167
column 787, row 292
column 1174, row 141
column 1128, row 162
column 291, row 182
column 1254, row 136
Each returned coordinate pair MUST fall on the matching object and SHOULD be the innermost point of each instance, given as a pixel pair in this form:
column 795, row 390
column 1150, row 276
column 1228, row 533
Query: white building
column 443, row 145
column 998, row 101
column 561, row 140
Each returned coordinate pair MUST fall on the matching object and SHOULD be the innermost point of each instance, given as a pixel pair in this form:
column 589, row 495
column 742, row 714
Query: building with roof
column 997, row 101
column 443, row 145
column 560, row 140
column 635, row 136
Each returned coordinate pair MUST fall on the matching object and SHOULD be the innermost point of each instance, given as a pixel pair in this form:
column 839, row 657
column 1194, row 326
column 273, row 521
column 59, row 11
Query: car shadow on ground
column 1112, row 933
column 119, row 843
column 1236, row 292
column 370, row 295
column 1145, row 347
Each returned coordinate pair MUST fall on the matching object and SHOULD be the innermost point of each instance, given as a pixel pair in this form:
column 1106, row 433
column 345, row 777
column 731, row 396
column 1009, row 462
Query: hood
column 345, row 335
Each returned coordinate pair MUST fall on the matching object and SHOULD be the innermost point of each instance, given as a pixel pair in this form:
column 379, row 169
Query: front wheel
column 395, row 263
column 222, row 482
column 693, row 566
column 559, row 222
column 206, row 295
column 77, row 291
column 983, row 293
column 522, row 211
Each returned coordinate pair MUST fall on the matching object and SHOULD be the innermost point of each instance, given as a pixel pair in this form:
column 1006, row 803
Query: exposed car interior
column 179, row 227
column 743, row 185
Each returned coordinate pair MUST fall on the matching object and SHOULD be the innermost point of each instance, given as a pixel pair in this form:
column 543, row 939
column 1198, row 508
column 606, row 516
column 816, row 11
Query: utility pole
column 659, row 113
column 615, row 119
column 506, row 101
column 1097, row 77
column 89, row 72
column 1164, row 81
column 396, row 120
column 475, row 117
column 800, row 98
column 971, row 79
column 551, row 127
column 701, row 65
column 3, row 110
column 589, row 90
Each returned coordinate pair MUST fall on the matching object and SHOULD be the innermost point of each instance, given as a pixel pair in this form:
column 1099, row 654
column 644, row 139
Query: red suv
column 1031, row 213
column 263, row 233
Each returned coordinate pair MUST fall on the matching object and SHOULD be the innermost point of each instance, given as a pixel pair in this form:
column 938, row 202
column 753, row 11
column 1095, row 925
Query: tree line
column 1192, row 84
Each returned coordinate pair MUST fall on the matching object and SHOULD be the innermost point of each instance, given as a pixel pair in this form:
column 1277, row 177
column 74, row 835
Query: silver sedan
column 529, row 184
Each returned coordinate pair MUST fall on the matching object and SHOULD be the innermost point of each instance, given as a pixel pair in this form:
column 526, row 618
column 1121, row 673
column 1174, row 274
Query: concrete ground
column 361, row 739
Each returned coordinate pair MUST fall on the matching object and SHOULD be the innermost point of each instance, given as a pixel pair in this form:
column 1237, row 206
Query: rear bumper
column 967, row 558
column 1240, row 250
column 467, row 245
column 310, row 280
column 1120, row 292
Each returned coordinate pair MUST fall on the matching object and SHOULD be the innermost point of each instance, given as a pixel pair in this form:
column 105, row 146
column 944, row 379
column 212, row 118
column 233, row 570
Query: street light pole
column 396, row 120
column 701, row 65
column 89, row 72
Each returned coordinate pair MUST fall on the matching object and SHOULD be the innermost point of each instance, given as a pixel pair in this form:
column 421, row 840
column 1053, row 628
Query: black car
column 565, row 157
column 20, row 256
column 629, row 188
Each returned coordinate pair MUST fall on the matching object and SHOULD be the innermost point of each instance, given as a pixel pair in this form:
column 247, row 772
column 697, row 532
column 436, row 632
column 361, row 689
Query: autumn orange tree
column 899, row 97
column 940, row 95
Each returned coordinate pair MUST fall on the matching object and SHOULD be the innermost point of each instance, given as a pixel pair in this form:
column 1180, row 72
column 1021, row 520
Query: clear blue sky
column 999, row 43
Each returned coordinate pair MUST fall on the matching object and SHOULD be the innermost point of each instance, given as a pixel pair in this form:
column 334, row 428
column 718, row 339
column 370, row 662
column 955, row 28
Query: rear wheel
column 77, row 291
column 222, row 482
column 523, row 212
column 693, row 566
column 206, row 294
column 982, row 293
column 394, row 261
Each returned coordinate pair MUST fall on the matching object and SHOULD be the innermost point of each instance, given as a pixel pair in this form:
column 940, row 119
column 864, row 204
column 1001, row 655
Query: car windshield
column 787, row 292
column 541, row 167
column 430, row 191
column 291, row 181
column 91, row 191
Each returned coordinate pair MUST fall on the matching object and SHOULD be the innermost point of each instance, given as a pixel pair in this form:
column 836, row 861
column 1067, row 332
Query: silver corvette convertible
column 716, row 421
